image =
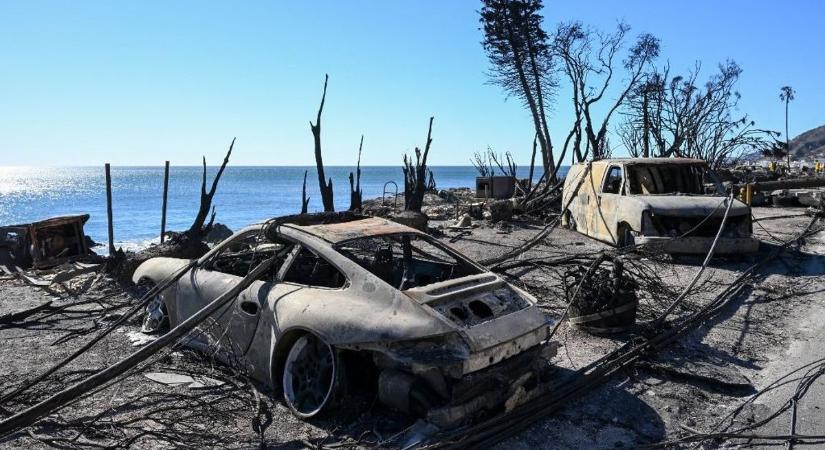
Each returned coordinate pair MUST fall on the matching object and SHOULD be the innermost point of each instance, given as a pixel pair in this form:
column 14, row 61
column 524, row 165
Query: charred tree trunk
column 304, row 198
column 532, row 163
column 326, row 187
column 197, row 231
column 645, row 125
column 415, row 175
column 355, row 194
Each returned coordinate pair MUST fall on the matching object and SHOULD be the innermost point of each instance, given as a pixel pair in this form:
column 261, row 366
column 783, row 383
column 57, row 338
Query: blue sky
column 136, row 83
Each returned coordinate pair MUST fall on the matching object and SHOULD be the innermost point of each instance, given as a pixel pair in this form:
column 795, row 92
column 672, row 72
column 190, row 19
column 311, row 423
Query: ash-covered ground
column 775, row 326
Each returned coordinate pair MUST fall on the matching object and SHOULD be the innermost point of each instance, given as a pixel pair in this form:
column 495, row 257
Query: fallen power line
column 555, row 397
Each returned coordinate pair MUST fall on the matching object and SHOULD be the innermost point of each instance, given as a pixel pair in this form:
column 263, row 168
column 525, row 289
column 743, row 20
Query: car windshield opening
column 406, row 261
column 653, row 179
column 244, row 253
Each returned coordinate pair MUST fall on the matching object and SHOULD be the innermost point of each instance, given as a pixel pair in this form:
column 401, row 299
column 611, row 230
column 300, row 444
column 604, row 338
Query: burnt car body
column 446, row 336
column 656, row 202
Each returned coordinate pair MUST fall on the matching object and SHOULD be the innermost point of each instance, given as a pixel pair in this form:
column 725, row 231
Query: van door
column 603, row 222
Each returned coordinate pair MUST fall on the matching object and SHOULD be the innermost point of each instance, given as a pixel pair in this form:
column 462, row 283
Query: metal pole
column 165, row 194
column 109, row 210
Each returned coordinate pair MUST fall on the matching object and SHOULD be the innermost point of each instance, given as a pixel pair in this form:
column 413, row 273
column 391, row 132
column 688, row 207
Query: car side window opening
column 243, row 254
column 310, row 269
column 613, row 181
column 406, row 261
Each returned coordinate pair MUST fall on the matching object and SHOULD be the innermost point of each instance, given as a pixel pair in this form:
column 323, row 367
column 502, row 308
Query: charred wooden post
column 415, row 175
column 198, row 230
column 355, row 193
column 109, row 210
column 165, row 196
column 304, row 198
column 326, row 187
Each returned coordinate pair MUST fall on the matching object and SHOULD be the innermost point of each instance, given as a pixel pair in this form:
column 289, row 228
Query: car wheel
column 156, row 318
column 311, row 376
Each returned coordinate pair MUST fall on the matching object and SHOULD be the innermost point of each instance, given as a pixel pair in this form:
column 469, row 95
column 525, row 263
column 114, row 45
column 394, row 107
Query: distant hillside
column 809, row 145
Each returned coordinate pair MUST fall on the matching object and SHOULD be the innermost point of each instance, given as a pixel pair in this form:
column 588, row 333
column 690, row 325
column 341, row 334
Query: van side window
column 613, row 181
column 310, row 269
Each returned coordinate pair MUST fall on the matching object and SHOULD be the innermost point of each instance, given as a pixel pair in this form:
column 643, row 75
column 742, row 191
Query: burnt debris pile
column 602, row 299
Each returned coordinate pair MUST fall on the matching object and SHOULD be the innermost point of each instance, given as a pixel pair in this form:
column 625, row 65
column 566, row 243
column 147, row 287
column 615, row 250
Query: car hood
column 688, row 206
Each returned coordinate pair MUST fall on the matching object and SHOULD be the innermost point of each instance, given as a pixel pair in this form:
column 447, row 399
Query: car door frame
column 257, row 293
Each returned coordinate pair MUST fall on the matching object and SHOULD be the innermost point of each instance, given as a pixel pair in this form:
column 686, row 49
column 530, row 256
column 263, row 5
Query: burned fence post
column 109, row 210
column 165, row 195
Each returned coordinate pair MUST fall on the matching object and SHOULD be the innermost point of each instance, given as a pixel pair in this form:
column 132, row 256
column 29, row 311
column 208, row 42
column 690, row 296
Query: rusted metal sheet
column 44, row 243
column 340, row 232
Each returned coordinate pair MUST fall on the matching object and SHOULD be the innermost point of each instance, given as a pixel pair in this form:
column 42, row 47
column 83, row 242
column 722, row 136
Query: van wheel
column 312, row 376
column 625, row 236
column 569, row 221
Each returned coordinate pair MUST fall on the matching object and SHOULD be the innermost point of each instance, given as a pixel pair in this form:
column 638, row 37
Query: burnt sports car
column 444, row 336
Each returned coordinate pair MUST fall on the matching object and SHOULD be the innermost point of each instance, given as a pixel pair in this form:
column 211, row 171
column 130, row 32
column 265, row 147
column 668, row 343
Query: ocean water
column 245, row 195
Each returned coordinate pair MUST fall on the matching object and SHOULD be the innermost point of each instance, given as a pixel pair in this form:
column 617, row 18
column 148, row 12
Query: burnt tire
column 569, row 221
column 312, row 377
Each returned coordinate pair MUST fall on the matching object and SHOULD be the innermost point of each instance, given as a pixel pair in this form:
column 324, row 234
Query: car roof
column 343, row 231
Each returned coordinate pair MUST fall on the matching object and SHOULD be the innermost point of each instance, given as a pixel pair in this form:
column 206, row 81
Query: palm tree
column 786, row 94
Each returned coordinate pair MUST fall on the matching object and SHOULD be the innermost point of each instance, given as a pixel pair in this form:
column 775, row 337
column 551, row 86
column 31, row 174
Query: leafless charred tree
column 198, row 229
column 486, row 163
column 326, row 187
column 415, row 175
column 511, row 169
column 777, row 150
column 590, row 62
column 522, row 63
column 676, row 116
column 532, row 163
column 304, row 198
column 355, row 194
column 483, row 163
column 431, row 187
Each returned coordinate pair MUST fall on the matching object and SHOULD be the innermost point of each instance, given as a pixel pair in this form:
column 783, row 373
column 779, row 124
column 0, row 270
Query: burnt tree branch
column 304, row 198
column 355, row 194
column 198, row 230
column 326, row 187
column 415, row 175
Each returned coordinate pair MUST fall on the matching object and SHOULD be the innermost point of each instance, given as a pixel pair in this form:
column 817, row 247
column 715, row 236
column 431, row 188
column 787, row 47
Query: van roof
column 662, row 161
